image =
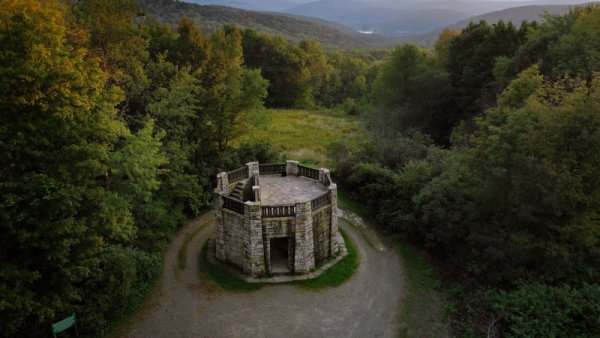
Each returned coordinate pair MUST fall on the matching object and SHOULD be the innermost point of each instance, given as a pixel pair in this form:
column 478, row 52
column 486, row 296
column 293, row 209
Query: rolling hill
column 516, row 15
column 393, row 21
column 294, row 28
column 263, row 5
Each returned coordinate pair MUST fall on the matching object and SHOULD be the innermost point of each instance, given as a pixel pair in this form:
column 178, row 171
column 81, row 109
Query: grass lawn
column 222, row 278
column 303, row 135
column 339, row 273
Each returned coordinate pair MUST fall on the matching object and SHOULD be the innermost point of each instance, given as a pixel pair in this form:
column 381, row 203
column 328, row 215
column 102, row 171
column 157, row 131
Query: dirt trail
column 366, row 306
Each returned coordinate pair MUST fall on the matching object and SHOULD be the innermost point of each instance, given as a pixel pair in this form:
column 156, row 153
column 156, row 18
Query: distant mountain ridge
column 516, row 15
column 264, row 5
column 295, row 28
column 333, row 35
column 383, row 20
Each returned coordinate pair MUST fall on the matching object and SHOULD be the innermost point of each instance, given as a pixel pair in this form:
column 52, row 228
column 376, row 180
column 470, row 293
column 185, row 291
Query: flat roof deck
column 277, row 189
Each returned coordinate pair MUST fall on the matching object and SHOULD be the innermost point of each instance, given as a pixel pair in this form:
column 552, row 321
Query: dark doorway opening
column 279, row 255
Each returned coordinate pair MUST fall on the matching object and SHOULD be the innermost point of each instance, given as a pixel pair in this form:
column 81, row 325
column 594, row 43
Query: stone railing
column 320, row 201
column 233, row 205
column 278, row 211
column 308, row 172
column 252, row 172
column 237, row 175
column 272, row 168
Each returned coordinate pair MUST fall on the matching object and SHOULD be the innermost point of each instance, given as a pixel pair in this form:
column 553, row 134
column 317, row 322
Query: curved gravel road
column 185, row 305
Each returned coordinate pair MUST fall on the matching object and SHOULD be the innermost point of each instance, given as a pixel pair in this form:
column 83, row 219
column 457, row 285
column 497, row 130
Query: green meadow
column 303, row 135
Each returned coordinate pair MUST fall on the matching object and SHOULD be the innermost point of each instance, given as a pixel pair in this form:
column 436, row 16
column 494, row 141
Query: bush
column 549, row 311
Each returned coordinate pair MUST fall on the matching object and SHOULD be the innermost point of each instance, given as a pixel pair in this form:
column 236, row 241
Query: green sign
column 63, row 324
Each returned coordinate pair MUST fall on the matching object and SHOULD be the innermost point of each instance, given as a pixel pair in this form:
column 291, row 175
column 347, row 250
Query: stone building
column 275, row 218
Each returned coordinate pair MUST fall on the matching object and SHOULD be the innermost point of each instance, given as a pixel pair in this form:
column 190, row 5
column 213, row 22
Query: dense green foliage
column 303, row 75
column 511, row 208
column 110, row 134
column 432, row 91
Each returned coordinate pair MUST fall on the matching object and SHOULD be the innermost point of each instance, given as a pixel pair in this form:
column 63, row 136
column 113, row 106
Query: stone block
column 291, row 168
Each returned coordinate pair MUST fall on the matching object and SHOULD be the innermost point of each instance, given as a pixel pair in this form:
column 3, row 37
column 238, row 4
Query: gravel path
column 185, row 306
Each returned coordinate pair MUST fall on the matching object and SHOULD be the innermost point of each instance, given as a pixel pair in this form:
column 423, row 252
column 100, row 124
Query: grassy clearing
column 222, row 278
column 304, row 135
column 337, row 274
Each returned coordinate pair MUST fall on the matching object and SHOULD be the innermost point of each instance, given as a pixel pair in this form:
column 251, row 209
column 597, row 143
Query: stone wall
column 333, row 245
column 321, row 222
column 283, row 227
column 304, row 253
column 255, row 251
column 234, row 238
column 278, row 227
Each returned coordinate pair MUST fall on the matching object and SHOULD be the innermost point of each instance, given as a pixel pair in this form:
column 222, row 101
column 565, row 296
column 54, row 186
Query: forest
column 482, row 152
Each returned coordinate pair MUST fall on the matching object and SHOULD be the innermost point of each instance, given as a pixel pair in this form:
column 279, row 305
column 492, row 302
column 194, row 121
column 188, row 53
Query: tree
column 413, row 93
column 116, row 40
column 295, row 73
column 470, row 61
column 74, row 175
column 548, row 191
column 562, row 45
column 442, row 45
column 59, row 127
column 192, row 49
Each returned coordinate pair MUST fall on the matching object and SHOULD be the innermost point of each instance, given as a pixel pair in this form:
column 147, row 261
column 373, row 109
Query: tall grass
column 301, row 134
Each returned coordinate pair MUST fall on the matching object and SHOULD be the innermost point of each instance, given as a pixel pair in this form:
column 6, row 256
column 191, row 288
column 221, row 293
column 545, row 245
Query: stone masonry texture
column 244, row 228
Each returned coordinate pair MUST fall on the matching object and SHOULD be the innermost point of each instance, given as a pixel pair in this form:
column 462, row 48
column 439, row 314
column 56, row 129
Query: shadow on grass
column 221, row 277
column 337, row 274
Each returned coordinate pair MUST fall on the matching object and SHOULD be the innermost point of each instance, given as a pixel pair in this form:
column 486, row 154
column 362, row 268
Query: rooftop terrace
column 277, row 189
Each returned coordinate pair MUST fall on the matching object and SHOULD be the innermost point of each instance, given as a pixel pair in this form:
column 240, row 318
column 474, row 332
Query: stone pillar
column 291, row 168
column 324, row 177
column 223, row 183
column 219, row 227
column 267, row 254
column 304, row 251
column 291, row 250
column 333, row 244
column 254, row 246
column 256, row 191
column 252, row 167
